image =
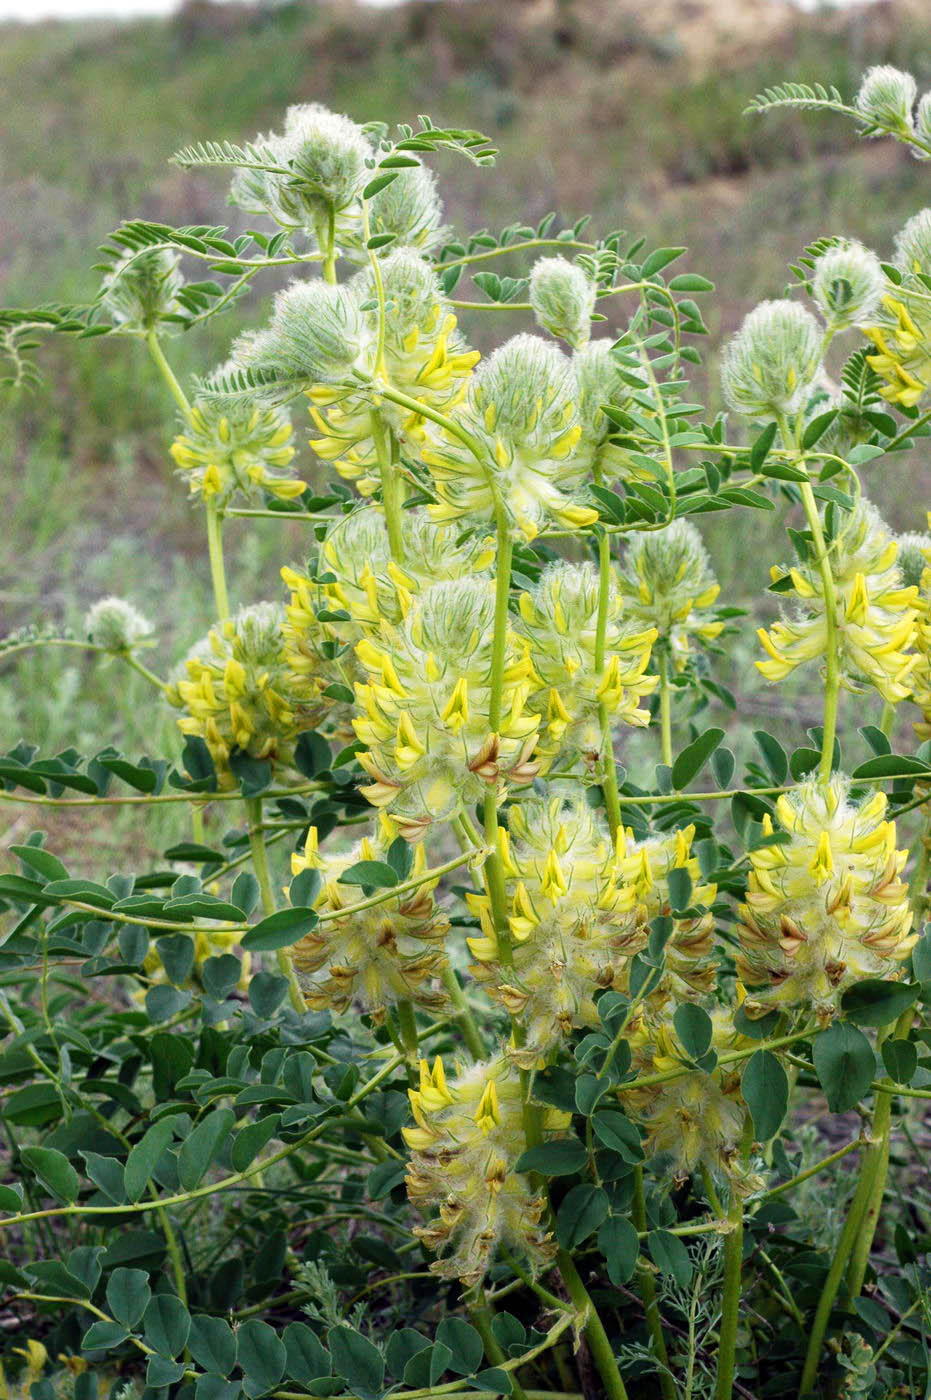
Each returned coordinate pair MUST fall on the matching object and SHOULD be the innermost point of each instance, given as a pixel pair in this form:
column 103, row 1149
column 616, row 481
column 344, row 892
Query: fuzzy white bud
column 887, row 96
column 563, row 299
column 116, row 625
column 770, row 365
column 913, row 244
column 317, row 333
column 847, row 284
column 141, row 288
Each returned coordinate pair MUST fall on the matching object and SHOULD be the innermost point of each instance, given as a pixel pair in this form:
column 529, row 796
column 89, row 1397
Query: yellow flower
column 666, row 583
column 425, row 708
column 559, row 619
column 829, row 907
column 696, row 1119
column 875, row 614
column 240, row 692
column 902, row 331
column 234, row 446
column 467, row 1137
column 376, row 957
column 520, row 410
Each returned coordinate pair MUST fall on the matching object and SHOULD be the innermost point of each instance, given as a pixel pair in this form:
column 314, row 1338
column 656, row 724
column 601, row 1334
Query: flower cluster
column 563, row 299
column 666, row 583
column 240, row 694
column 514, row 445
column 559, row 618
column 875, row 614
column 771, row 364
column 141, row 288
column 425, row 708
column 369, row 958
column 115, row 625
column 828, row 906
column 468, row 1136
column 696, row 1118
column 915, row 560
column 902, row 332
column 236, row 447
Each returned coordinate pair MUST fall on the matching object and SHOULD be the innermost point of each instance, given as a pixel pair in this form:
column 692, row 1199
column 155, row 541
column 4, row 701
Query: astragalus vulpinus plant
column 518, row 1078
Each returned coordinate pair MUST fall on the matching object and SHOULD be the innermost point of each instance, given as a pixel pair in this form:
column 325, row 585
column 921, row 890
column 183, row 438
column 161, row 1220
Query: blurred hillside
column 628, row 109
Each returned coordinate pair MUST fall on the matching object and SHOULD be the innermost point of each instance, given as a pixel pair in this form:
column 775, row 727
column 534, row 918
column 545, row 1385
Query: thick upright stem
column 215, row 549
column 609, row 769
column 263, row 875
column 831, row 661
column 730, row 1304
column 595, row 1335
column 494, row 875
column 647, row 1290
column 665, row 708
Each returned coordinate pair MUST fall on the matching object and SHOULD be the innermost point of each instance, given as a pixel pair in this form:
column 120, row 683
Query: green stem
column 647, row 1290
column 595, row 1335
column 329, row 248
column 392, row 485
column 407, row 1025
column 494, row 875
column 888, row 718
column 263, row 875
column 608, row 766
column 665, row 708
column 470, row 1031
column 215, row 549
column 168, row 374
column 831, row 662
column 730, row 1305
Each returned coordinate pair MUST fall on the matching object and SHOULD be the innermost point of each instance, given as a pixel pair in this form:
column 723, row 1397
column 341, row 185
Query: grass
column 658, row 144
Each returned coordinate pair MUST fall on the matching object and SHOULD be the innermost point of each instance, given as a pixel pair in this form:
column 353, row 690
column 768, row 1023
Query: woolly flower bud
column 373, row 958
column 317, row 334
column 236, row 448
column 425, row 708
column 913, row 558
column 886, row 97
column 410, row 208
column 770, row 365
column 563, row 299
column 828, row 908
column 468, row 1136
column 141, row 288
column 572, row 928
column 424, row 357
column 521, row 412
column 560, row 621
column 116, row 625
column 241, row 695
column 902, row 333
column 923, row 125
column 328, row 154
column 696, row 1119
column 666, row 583
column 874, row 615
column 847, row 284
column 598, row 382
column 913, row 244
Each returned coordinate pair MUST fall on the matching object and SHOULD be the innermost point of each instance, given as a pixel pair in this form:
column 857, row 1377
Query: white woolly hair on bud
column 923, row 125
column 327, row 151
column 887, row 96
column 141, row 288
column 410, row 207
column 770, row 365
column 563, row 299
column 317, row 333
column 847, row 284
column 522, row 373
column 115, row 625
column 913, row 558
column 913, row 244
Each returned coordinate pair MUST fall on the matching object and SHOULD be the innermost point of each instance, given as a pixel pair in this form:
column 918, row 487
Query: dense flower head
column 409, row 207
column 425, row 708
column 317, row 335
column 468, row 1136
column 887, row 96
column 559, row 618
column 521, row 414
column 141, row 288
column 424, row 357
column 115, row 625
column 923, row 124
column 828, row 907
column 579, row 907
column 240, row 693
column 771, row 364
column 599, row 381
column 369, row 959
column 915, row 553
column 875, row 614
column 563, row 299
column 666, row 583
column 697, row 1118
column 902, row 330
column 236, row 447
column 847, row 283
column 320, row 166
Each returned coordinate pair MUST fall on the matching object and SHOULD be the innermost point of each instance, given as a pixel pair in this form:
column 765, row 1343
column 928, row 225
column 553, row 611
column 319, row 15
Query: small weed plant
column 497, row 1030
